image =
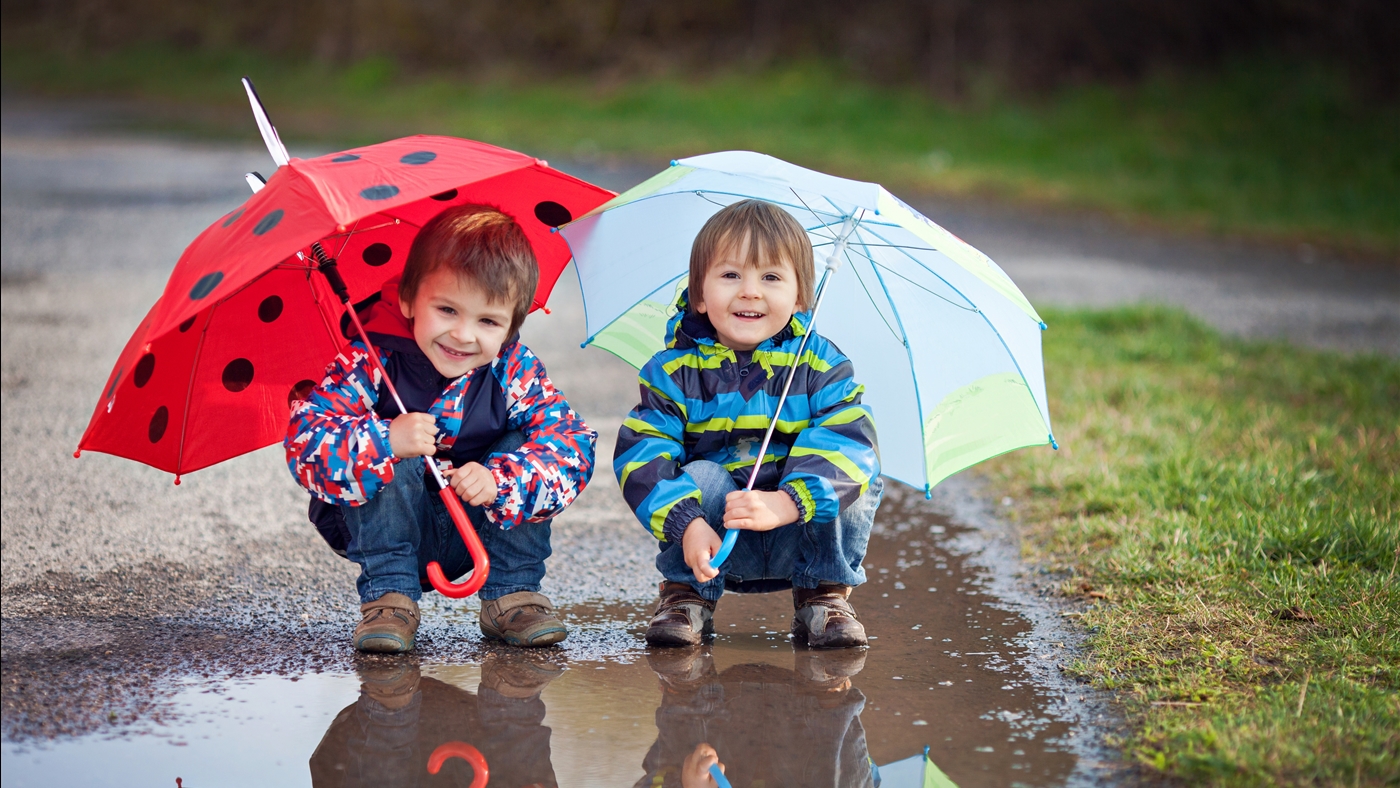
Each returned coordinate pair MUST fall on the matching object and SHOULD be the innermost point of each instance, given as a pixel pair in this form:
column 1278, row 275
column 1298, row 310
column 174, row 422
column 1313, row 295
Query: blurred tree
column 1025, row 45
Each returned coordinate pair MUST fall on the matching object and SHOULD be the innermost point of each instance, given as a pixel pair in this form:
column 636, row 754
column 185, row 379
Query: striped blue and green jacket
column 703, row 401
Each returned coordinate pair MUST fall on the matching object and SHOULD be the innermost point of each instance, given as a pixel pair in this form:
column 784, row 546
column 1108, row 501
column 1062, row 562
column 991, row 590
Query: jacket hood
column 688, row 329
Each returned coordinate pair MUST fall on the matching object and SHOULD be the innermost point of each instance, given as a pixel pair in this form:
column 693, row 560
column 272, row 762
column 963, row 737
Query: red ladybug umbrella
column 250, row 316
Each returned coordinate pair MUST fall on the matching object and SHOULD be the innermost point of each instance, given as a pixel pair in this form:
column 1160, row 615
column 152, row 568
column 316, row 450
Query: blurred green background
column 1275, row 119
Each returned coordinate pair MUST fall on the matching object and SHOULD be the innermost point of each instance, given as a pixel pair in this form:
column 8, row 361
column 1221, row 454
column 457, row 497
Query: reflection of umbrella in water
column 918, row 771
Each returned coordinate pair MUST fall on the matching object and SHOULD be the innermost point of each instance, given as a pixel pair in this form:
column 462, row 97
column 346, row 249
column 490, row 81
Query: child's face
column 748, row 304
column 455, row 324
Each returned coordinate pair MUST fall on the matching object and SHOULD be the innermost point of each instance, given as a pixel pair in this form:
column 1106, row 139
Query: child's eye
column 772, row 278
column 486, row 321
column 447, row 310
column 730, row 275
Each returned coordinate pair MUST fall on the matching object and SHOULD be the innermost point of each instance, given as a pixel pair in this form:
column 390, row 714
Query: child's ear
column 406, row 308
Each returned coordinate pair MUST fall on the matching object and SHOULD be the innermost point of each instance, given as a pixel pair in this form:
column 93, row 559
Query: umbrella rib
column 990, row 324
column 824, row 225
column 950, row 302
column 896, row 334
column 913, row 372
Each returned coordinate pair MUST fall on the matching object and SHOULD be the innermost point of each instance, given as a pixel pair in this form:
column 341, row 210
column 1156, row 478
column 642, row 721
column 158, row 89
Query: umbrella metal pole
column 832, row 263
column 481, row 564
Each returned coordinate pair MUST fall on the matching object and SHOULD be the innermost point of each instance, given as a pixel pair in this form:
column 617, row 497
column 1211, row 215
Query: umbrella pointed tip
column 177, row 480
column 1043, row 326
column 1053, row 444
column 928, row 493
column 77, row 453
column 674, row 162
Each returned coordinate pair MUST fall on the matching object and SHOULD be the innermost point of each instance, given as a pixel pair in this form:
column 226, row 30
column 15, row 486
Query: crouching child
column 480, row 405
column 685, row 453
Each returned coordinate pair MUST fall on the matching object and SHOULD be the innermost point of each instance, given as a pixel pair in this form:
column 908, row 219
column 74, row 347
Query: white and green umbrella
column 945, row 343
column 918, row 771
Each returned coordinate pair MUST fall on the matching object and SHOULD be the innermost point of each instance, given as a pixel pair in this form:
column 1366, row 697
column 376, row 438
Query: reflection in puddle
column 943, row 676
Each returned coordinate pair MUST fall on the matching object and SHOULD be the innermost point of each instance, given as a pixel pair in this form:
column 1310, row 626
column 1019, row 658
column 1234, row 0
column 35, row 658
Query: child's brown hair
column 483, row 244
column 770, row 231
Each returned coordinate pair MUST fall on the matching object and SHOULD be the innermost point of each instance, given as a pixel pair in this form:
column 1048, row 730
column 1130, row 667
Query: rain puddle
column 946, row 670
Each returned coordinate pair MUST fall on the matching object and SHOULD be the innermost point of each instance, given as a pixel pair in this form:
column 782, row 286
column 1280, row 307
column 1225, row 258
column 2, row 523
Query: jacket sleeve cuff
column 802, row 497
column 681, row 515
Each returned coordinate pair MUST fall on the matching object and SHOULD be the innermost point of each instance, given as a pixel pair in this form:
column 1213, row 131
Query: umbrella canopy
column 918, row 771
column 945, row 343
column 246, row 325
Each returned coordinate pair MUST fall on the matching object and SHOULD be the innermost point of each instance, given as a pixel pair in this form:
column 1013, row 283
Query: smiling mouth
column 450, row 353
column 748, row 315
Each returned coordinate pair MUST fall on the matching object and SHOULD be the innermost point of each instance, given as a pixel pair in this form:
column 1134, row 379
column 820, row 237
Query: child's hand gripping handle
column 481, row 565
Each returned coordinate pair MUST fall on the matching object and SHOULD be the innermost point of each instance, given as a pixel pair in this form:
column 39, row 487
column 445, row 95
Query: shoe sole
column 546, row 637
column 383, row 644
column 802, row 636
column 675, row 637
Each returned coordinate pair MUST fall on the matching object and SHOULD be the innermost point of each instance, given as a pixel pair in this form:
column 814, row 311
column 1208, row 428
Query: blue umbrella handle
column 730, row 537
column 718, row 776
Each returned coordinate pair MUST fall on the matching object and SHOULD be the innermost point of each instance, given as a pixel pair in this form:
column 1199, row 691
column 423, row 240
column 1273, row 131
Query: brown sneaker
column 525, row 618
column 387, row 624
column 682, row 617
column 824, row 618
column 519, row 677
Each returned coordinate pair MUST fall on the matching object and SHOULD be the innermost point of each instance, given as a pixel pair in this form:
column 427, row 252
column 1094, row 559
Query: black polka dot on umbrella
column 344, row 157
column 238, row 375
column 418, row 157
column 270, row 309
column 381, row 192
column 144, row 369
column 159, row 421
column 187, row 323
column 233, row 217
column 552, row 213
column 271, row 220
column 445, row 196
column 376, row 254
column 206, row 285
column 299, row 392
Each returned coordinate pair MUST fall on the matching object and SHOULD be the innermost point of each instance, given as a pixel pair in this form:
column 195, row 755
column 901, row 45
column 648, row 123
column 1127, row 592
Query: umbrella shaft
column 787, row 384
column 327, row 268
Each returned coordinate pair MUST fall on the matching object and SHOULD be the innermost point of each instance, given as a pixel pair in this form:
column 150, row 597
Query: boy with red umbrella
column 479, row 401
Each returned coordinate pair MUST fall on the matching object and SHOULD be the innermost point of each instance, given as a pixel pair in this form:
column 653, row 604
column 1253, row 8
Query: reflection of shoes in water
column 517, row 675
column 391, row 683
column 682, row 617
column 828, row 671
column 525, row 618
column 682, row 669
column 387, row 624
column 824, row 618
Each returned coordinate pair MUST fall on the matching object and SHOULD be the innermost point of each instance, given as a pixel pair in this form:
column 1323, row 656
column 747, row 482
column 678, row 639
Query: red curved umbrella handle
column 481, row 564
column 460, row 749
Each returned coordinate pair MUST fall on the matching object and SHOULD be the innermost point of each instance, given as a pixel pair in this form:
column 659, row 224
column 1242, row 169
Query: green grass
column 1267, row 149
column 1232, row 512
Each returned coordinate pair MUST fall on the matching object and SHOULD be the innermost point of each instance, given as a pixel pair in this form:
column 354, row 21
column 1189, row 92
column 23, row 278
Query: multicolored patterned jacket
column 338, row 446
column 702, row 400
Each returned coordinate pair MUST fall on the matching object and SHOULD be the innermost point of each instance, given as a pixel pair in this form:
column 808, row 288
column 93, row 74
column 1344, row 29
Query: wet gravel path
column 121, row 592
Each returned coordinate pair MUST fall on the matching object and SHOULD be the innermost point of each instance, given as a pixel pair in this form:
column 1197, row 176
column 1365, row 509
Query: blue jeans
column 397, row 533
column 800, row 554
